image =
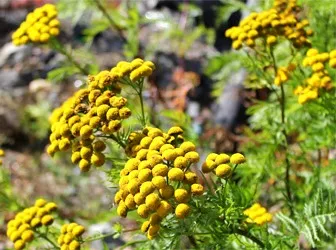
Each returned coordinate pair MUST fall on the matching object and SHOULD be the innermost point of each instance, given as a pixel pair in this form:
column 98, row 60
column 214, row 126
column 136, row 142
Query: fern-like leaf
column 317, row 213
column 288, row 222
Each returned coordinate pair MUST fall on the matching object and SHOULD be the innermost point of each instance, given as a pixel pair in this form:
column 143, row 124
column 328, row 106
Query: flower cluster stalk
column 282, row 102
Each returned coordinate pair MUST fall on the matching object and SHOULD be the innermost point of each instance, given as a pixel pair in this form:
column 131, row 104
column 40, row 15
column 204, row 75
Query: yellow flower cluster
column 70, row 237
column 39, row 26
column 134, row 70
column 123, row 71
column 320, row 78
column 283, row 74
column 159, row 161
column 2, row 154
column 258, row 214
column 219, row 163
column 20, row 229
column 81, row 119
column 279, row 21
column 94, row 111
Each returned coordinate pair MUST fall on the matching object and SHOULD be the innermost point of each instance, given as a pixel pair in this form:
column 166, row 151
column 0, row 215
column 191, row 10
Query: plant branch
column 108, row 17
column 60, row 48
column 143, row 117
column 250, row 236
column 130, row 243
column 282, row 103
column 47, row 239
column 114, row 138
column 192, row 240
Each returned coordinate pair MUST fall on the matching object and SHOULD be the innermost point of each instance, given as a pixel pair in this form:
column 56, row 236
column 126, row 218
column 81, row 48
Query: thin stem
column 207, row 183
column 249, row 236
column 47, row 239
column 268, row 80
column 139, row 92
column 138, row 88
column 130, row 243
column 192, row 241
column 114, row 138
column 109, row 234
column 108, row 17
column 143, row 119
column 282, row 103
column 319, row 164
column 287, row 180
column 99, row 237
column 60, row 48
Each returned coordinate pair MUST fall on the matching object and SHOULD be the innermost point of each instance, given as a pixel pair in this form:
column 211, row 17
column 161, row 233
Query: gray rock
column 104, row 228
column 11, row 79
column 227, row 108
column 11, row 54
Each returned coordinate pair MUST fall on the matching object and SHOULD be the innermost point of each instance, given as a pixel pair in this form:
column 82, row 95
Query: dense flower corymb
column 279, row 21
column 320, row 78
column 70, row 236
column 39, row 26
column 93, row 112
column 147, row 182
column 20, row 230
column 258, row 214
column 219, row 163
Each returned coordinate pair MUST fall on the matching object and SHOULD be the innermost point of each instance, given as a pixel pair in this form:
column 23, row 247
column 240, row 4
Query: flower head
column 20, row 230
column 39, row 26
column 157, row 159
column 257, row 214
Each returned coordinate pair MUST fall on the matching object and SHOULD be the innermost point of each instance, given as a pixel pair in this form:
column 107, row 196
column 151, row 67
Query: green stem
column 143, row 117
column 99, row 237
column 207, row 183
column 60, row 48
column 192, row 240
column 108, row 17
column 114, row 138
column 138, row 88
column 250, row 236
column 287, row 181
column 282, row 103
column 130, row 243
column 47, row 239
column 319, row 165
column 107, row 235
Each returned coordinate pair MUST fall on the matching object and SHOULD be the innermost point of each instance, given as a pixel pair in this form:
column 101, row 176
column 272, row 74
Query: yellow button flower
column 19, row 244
column 175, row 174
column 237, row 158
column 152, row 201
column 146, row 188
column 145, row 226
column 27, row 236
column 47, row 220
column 197, row 189
column 223, row 171
column 182, row 210
column 143, row 211
column 181, row 195
column 159, row 182
column 160, row 170
column 167, row 192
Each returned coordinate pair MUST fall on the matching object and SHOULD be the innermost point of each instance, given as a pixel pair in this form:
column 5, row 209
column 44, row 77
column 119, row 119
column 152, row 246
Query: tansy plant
column 160, row 180
column 181, row 195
